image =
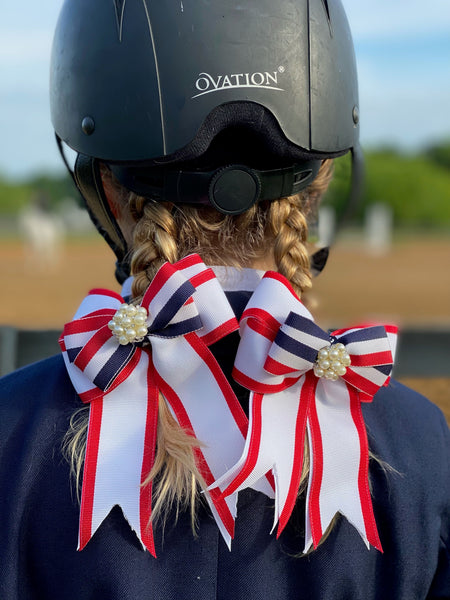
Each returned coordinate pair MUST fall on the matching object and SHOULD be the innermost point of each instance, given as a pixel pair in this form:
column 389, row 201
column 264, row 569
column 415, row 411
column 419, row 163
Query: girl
column 203, row 408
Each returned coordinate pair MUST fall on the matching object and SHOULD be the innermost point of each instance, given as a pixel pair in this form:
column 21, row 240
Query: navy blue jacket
column 39, row 517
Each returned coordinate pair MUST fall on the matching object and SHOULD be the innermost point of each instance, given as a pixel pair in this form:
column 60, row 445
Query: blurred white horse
column 43, row 234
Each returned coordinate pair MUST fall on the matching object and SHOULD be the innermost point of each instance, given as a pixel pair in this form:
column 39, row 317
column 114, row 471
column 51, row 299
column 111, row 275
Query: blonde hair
column 167, row 232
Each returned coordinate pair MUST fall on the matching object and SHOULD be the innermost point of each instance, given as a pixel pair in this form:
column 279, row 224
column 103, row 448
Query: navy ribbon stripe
column 180, row 328
column 119, row 358
column 363, row 335
column 172, row 306
column 384, row 369
column 295, row 347
column 72, row 353
column 306, row 326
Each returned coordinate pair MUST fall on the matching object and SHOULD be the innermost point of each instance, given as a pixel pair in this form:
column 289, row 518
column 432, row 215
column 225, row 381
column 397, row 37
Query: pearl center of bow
column 129, row 324
column 332, row 362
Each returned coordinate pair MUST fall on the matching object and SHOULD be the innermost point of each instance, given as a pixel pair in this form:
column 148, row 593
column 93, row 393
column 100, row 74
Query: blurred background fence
column 421, row 352
column 422, row 361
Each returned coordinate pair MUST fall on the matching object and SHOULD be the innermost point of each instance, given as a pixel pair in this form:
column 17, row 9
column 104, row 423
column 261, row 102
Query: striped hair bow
column 304, row 379
column 119, row 358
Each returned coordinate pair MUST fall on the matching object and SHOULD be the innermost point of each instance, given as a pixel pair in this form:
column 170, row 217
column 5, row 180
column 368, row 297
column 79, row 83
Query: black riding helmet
column 208, row 102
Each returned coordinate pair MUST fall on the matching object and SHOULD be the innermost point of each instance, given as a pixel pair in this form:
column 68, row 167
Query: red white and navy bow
column 184, row 310
column 278, row 360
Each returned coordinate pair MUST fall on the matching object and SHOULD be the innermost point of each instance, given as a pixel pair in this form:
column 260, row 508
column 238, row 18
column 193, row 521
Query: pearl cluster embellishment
column 128, row 324
column 332, row 362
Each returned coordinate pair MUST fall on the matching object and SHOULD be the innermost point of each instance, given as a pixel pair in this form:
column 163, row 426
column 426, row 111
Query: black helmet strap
column 231, row 189
column 87, row 178
column 89, row 182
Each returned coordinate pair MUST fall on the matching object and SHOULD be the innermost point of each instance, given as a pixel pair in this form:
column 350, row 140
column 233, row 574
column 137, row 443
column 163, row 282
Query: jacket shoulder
column 399, row 406
column 41, row 392
column 410, row 434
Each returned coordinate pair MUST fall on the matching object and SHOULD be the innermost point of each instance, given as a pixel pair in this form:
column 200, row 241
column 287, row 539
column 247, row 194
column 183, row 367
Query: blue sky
column 403, row 54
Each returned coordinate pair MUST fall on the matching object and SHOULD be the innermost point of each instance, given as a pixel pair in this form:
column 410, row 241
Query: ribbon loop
column 299, row 341
column 168, row 299
column 102, row 356
column 296, row 345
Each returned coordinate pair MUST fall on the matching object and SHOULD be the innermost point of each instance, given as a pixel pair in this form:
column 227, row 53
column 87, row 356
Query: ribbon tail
column 148, row 459
column 338, row 480
column 224, row 511
column 200, row 396
column 292, row 464
column 119, row 455
column 275, row 442
column 251, row 465
column 89, row 473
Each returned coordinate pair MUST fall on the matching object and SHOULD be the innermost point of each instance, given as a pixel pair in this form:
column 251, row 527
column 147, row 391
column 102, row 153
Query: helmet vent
column 327, row 10
column 119, row 6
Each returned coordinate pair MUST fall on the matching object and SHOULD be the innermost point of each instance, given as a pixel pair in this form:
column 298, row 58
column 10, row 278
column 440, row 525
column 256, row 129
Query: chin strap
column 356, row 186
column 319, row 260
column 87, row 178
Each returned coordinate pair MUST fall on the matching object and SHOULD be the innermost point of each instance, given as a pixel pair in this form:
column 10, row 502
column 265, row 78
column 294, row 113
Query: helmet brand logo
column 268, row 80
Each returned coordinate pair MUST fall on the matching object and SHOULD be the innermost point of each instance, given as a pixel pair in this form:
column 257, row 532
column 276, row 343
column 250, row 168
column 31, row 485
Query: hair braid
column 154, row 241
column 288, row 222
column 290, row 231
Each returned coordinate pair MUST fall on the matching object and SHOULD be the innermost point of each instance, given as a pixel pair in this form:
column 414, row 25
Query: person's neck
column 264, row 263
